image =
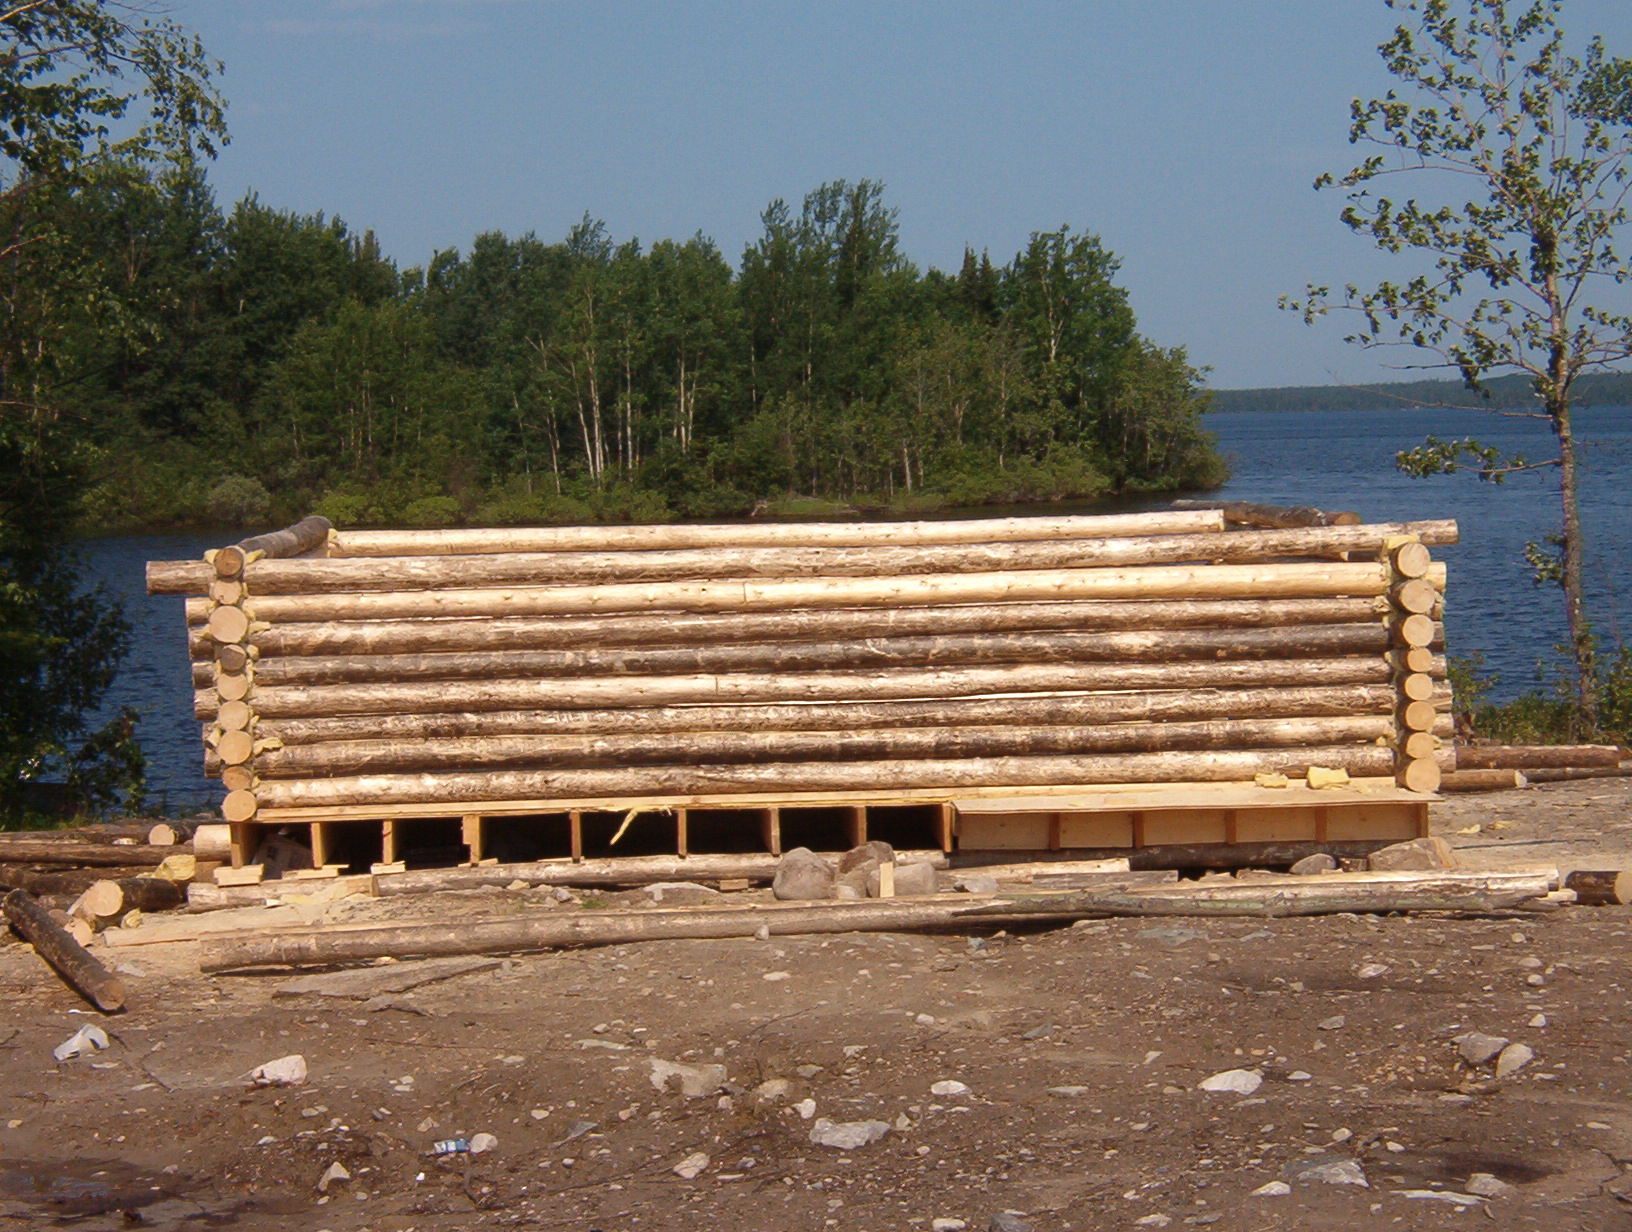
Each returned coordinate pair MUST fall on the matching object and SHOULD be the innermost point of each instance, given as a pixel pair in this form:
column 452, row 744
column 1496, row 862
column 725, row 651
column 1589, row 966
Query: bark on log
column 1164, row 646
column 83, row 973
column 1534, row 756
column 324, row 576
column 706, row 748
column 1154, row 582
column 768, row 534
column 1601, row 887
column 1572, row 774
column 1191, row 705
column 667, row 781
column 796, row 625
column 71, row 882
column 904, row 684
column 941, row 913
column 1247, row 513
column 1482, row 780
column 306, row 535
column 15, row 849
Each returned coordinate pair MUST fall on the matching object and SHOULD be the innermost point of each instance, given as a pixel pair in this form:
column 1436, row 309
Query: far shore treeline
column 263, row 364
column 1503, row 393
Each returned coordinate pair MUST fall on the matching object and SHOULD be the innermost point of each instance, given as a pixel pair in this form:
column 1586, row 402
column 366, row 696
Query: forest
column 248, row 366
column 1499, row 393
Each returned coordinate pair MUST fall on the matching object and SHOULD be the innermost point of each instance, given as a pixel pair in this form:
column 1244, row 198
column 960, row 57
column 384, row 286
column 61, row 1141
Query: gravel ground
column 1083, row 1052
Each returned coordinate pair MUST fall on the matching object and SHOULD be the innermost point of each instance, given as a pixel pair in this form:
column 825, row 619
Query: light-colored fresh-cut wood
column 213, row 841
column 230, row 716
column 1420, row 774
column 1412, row 560
column 235, row 748
column 1418, row 716
column 1166, row 646
column 228, row 624
column 231, row 688
column 775, row 534
column 1252, row 513
column 162, row 835
column 1601, row 887
column 1413, row 659
column 791, row 625
column 704, row 747
column 1419, row 744
column 818, row 776
column 239, row 805
column 238, row 777
column 1416, row 630
column 227, row 658
column 101, row 900
column 1482, row 780
column 1045, row 710
column 1153, row 582
column 896, row 684
column 1417, row 687
column 224, row 590
column 1417, row 596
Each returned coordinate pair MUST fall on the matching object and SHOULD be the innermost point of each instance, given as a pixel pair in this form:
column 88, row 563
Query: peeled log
column 66, row 956
column 1191, row 705
column 213, row 842
column 1149, row 583
column 704, row 748
column 683, row 781
column 1482, row 780
column 1534, row 756
column 1165, row 646
column 768, row 534
column 627, row 691
column 275, row 577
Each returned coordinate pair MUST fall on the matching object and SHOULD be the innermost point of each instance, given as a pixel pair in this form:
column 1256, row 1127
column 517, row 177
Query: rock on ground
column 1420, row 854
column 802, row 874
column 847, row 1135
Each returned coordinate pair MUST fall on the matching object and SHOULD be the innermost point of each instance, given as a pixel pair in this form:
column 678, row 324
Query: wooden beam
column 681, row 838
column 471, row 834
column 770, row 829
column 575, row 831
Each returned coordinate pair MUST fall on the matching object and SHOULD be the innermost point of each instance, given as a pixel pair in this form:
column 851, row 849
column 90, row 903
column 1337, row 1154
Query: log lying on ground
column 1311, row 642
column 685, row 781
column 1482, row 780
column 1188, row 856
column 82, row 972
column 18, row 850
column 770, row 534
column 1601, row 887
column 1246, row 513
column 324, row 576
column 794, row 625
column 1188, row 706
column 1442, row 892
column 330, row 701
column 1570, row 774
column 137, row 894
column 1155, row 582
column 705, row 748
column 1535, row 756
column 39, row 880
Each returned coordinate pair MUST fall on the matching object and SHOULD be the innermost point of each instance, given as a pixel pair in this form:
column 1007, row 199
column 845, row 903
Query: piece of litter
column 89, row 1038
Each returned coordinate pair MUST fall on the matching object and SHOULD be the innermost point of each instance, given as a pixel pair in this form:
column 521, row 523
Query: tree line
column 258, row 364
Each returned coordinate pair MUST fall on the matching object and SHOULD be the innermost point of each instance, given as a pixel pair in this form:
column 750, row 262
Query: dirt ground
column 1082, row 1050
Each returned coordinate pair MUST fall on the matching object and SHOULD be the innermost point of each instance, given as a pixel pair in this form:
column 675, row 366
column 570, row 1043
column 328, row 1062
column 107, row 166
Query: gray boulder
column 802, row 874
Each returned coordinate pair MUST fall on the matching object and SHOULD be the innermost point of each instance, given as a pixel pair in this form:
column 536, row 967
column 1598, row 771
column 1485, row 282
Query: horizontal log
column 1161, row 646
column 1482, row 780
column 39, row 880
column 889, row 684
column 1572, row 774
column 15, row 849
column 705, row 748
column 1212, row 766
column 768, row 534
column 1194, row 704
column 1601, row 887
column 1154, row 582
column 324, row 576
column 1534, row 756
column 1188, row 856
column 304, row 536
column 710, row 629
column 1248, row 513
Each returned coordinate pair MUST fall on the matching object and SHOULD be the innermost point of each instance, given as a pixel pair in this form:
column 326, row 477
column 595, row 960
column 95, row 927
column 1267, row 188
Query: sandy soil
column 1082, row 1050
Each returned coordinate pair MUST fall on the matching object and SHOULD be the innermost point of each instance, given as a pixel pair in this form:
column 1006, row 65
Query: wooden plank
column 857, row 824
column 390, row 853
column 321, row 843
column 575, row 830
column 681, row 838
column 472, row 832
column 241, row 843
column 1054, row 831
column 1230, row 825
column 1136, row 819
column 770, row 829
column 946, row 823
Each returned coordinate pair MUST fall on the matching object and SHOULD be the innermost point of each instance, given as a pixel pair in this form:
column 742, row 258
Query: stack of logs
column 441, row 672
column 1502, row 767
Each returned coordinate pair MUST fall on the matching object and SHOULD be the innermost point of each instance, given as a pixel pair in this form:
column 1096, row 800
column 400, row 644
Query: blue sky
column 1186, row 133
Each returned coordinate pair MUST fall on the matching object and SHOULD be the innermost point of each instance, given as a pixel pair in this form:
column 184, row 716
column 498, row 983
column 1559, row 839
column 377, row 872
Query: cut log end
column 228, row 625
column 1420, row 775
column 1411, row 560
column 1601, row 887
column 239, row 806
column 229, row 562
column 235, row 748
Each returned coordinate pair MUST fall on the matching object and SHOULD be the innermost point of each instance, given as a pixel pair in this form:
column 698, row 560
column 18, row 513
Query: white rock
column 1514, row 1058
column 1331, row 1172
column 1439, row 1195
column 762, row 933
column 289, row 1071
column 1067, row 1092
column 1335, row 1022
column 949, row 1086
column 88, row 1039
column 1233, row 1082
column 1299, row 1075
column 1275, row 1189
column 688, row 1168
column 773, row 1088
column 1342, row 1135
column 1540, row 1020
column 1476, row 1048
column 947, row 1225
column 1158, row 1220
column 776, row 977
column 806, row 1108
column 847, row 1135
column 337, row 1172
column 1488, row 1185
column 480, row 1144
column 696, row 1081
column 1372, row 971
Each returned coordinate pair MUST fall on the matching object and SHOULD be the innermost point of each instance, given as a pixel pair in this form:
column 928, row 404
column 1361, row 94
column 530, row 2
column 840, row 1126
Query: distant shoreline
column 1506, row 393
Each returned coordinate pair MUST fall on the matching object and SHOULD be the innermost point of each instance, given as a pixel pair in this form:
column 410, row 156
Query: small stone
column 688, row 1168
column 1299, row 1075
column 1157, row 1220
column 1540, row 1020
column 1334, row 1023
column 480, row 1144
column 1274, row 1189
column 1311, row 865
column 336, row 1172
column 1342, row 1135
column 773, row 1088
column 762, row 933
column 976, row 945
column 1372, row 971
column 696, row 1081
column 948, row 1087
column 287, row 1071
column 1417, row 855
column 1172, row 935
column 1513, row 1058
column 846, row 892
column 808, row 1071
column 903, row 1123
column 1042, row 1032
column 1535, row 981
column 801, row 874
column 1476, row 1048
column 1008, row 1221
column 924, row 1020
column 776, row 977
column 1488, row 1185
column 1460, row 1200
column 976, row 885
column 1327, row 1171
column 847, row 1135
column 1233, row 1082
column 944, row 1224
column 1394, row 1148
column 1531, row 963
column 806, row 1108
column 1067, row 1092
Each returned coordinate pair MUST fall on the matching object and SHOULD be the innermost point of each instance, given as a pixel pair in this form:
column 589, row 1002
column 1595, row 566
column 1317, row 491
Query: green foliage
column 1548, row 714
column 238, row 501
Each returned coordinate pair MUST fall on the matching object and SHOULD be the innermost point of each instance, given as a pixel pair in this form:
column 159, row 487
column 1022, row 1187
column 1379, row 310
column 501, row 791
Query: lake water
column 1332, row 461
